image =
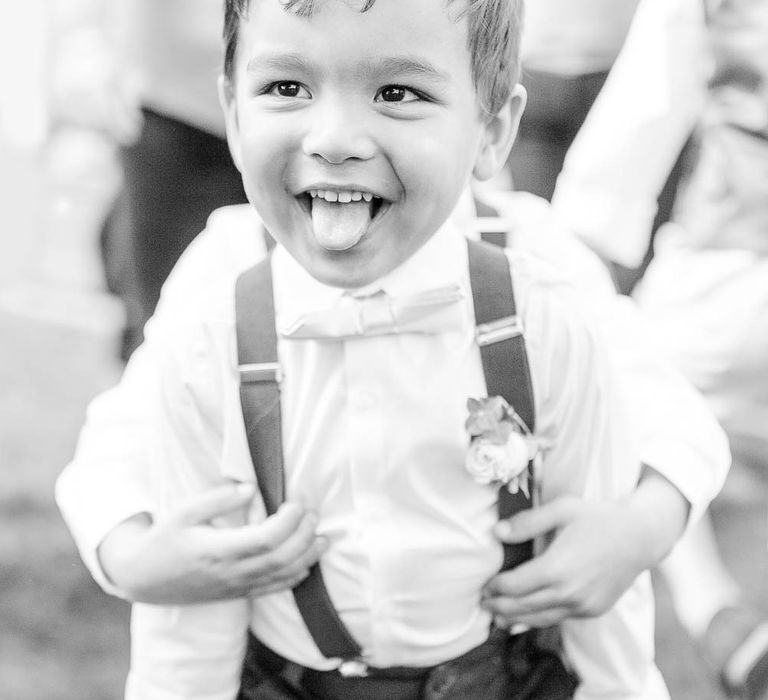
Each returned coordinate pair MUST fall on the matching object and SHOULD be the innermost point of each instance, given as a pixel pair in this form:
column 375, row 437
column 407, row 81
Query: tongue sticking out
column 339, row 226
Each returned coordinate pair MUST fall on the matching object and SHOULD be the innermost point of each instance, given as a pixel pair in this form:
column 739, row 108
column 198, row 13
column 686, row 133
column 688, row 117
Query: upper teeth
column 341, row 196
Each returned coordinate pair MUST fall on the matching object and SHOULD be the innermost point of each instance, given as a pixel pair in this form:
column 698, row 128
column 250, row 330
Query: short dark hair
column 494, row 42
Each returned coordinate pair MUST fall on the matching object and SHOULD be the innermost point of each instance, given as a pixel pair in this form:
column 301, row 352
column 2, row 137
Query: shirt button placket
column 365, row 445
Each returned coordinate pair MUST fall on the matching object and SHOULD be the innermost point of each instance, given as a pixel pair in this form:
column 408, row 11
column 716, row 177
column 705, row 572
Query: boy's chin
column 344, row 277
column 348, row 271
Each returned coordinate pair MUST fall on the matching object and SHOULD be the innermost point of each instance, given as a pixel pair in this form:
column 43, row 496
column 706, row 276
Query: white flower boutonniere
column 501, row 446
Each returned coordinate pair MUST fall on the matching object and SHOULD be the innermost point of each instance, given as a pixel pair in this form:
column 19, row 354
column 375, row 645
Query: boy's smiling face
column 355, row 132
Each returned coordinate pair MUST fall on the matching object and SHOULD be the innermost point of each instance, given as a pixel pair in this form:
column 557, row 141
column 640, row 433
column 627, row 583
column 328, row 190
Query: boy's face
column 355, row 132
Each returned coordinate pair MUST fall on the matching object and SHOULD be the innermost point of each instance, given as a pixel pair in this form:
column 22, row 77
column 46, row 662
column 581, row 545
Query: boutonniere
column 501, row 446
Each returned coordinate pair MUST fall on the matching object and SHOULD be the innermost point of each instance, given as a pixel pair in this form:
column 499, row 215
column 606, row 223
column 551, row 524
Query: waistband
column 392, row 683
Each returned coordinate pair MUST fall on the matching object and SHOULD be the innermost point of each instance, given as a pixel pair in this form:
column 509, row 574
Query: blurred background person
column 154, row 90
column 705, row 291
column 568, row 47
column 56, row 347
column 179, row 169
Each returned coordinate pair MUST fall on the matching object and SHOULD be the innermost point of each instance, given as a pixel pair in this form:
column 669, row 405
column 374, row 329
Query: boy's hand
column 184, row 559
column 582, row 573
column 598, row 550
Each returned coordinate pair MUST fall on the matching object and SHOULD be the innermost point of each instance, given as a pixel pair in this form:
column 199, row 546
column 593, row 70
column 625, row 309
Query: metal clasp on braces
column 353, row 668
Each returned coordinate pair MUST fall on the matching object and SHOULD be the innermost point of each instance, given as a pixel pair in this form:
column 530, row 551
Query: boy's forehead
column 437, row 17
column 392, row 41
column 308, row 8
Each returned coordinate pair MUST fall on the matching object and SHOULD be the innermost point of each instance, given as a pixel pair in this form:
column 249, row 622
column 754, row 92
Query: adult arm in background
column 619, row 162
column 177, row 558
column 599, row 548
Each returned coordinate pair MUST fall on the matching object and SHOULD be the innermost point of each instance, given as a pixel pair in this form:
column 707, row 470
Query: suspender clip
column 261, row 372
column 353, row 668
column 496, row 331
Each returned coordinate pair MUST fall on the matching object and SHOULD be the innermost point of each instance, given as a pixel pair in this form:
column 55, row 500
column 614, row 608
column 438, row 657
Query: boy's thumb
column 536, row 522
column 204, row 507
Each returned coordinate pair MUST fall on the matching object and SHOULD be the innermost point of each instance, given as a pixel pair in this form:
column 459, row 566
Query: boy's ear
column 229, row 107
column 500, row 133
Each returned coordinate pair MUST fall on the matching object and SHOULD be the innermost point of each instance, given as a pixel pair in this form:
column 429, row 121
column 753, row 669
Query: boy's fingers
column 546, row 618
column 523, row 580
column 203, row 507
column 513, row 608
column 538, row 608
column 538, row 521
column 284, row 567
column 290, row 522
column 276, row 586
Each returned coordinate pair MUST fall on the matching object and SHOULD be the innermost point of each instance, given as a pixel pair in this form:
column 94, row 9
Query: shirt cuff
column 697, row 475
column 92, row 512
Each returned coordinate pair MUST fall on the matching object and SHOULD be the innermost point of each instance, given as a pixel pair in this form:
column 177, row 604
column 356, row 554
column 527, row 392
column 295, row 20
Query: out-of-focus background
column 61, row 638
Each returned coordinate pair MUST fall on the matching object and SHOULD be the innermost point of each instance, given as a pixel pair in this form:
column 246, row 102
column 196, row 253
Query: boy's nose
column 337, row 133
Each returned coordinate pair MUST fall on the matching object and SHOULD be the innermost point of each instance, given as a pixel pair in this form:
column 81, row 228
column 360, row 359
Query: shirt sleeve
column 590, row 450
column 107, row 480
column 191, row 652
column 677, row 432
column 617, row 165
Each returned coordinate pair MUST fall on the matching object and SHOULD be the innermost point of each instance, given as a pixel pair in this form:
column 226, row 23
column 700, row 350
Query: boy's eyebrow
column 400, row 66
column 277, row 61
column 408, row 66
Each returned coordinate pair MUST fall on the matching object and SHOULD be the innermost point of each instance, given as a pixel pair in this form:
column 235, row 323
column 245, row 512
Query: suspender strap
column 259, row 376
column 505, row 361
column 260, row 398
column 497, row 238
column 485, row 211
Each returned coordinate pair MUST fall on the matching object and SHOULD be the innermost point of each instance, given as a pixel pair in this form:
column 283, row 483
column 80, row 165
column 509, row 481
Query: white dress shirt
column 374, row 442
column 196, row 379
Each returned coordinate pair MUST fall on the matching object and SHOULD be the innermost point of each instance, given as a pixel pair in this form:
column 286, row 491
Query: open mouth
column 340, row 218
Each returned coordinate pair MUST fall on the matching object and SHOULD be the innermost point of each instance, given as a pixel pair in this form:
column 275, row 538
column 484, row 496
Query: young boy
column 378, row 110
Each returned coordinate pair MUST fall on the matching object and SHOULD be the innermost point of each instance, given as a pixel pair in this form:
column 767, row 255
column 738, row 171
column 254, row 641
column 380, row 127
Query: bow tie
column 433, row 311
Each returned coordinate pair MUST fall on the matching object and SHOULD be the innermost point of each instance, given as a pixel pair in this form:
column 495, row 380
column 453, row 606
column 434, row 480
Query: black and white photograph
column 384, row 350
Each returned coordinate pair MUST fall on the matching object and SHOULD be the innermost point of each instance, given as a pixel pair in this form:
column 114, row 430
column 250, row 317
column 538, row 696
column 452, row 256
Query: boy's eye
column 287, row 88
column 396, row 93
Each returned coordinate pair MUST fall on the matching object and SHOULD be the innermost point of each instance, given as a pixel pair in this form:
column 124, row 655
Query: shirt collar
column 440, row 262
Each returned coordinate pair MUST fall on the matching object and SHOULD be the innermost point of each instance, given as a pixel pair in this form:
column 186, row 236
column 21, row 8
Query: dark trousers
column 174, row 176
column 504, row 668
